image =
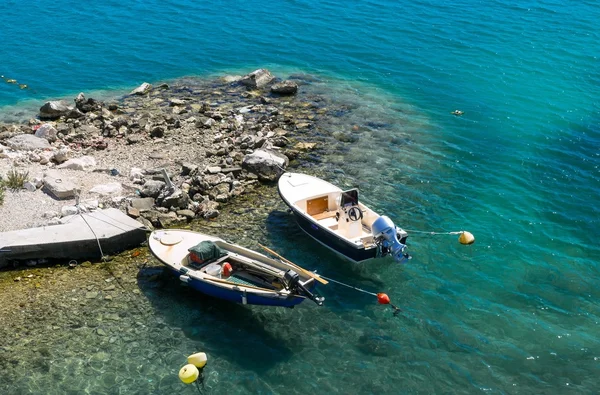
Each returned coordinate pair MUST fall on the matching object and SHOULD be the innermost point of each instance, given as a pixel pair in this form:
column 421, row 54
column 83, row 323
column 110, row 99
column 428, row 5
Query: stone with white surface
column 27, row 142
column 82, row 163
column 110, row 189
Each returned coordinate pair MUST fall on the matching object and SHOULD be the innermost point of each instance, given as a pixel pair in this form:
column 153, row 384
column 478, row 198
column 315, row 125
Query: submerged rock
column 285, row 88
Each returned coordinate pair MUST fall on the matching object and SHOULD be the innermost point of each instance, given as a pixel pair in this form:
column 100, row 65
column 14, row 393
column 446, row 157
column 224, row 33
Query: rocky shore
column 164, row 154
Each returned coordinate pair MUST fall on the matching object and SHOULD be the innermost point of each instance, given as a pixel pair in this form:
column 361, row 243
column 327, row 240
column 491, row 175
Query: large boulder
column 27, row 142
column 267, row 164
column 257, row 79
column 58, row 108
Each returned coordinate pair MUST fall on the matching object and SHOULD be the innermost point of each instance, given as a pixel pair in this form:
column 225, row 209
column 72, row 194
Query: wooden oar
column 217, row 280
column 308, row 273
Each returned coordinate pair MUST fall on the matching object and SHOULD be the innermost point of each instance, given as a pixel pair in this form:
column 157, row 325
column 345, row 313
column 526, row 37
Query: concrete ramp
column 76, row 239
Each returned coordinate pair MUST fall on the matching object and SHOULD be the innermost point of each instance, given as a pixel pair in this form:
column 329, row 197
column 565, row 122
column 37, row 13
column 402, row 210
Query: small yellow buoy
column 466, row 238
column 188, row 374
column 198, row 360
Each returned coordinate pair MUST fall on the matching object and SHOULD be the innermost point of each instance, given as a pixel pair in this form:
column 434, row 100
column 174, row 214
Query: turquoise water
column 517, row 312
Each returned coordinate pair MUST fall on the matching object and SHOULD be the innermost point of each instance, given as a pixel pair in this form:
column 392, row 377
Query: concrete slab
column 75, row 239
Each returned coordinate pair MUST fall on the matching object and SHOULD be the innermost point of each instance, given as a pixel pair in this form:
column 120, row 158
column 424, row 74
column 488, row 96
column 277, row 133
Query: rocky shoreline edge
column 164, row 154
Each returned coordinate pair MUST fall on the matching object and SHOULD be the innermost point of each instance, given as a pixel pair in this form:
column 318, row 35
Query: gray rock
column 285, row 88
column 152, row 188
column 133, row 212
column 142, row 89
column 134, row 139
column 47, row 132
column 55, row 109
column 189, row 214
column 88, row 105
column 257, row 79
column 166, row 220
column 220, row 191
column 143, row 204
column 176, row 199
column 188, row 169
column 68, row 210
column 62, row 155
column 61, row 189
column 30, row 186
column 86, row 130
column 110, row 189
column 27, row 142
column 231, row 78
column 82, row 163
column 176, row 102
column 268, row 165
column 213, row 169
column 157, row 131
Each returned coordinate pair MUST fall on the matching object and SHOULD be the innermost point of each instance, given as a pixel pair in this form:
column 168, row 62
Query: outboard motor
column 291, row 279
column 386, row 236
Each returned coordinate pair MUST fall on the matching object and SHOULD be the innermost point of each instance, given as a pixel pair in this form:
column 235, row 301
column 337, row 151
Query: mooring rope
column 346, row 285
column 96, row 236
column 397, row 309
column 435, row 233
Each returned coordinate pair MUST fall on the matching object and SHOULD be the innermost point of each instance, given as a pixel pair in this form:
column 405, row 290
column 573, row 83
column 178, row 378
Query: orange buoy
column 383, row 298
column 226, row 269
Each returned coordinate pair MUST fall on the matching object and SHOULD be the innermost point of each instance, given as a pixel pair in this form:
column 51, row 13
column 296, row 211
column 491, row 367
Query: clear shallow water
column 516, row 312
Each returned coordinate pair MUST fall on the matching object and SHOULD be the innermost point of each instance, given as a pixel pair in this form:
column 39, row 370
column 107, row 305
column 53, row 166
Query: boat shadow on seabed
column 230, row 331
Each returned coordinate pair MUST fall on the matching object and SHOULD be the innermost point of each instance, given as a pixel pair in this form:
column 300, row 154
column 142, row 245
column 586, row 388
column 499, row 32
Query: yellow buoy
column 466, row 238
column 188, row 374
column 198, row 360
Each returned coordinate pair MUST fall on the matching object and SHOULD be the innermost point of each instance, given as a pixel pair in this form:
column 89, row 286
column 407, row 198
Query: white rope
column 87, row 223
column 435, row 233
column 97, row 239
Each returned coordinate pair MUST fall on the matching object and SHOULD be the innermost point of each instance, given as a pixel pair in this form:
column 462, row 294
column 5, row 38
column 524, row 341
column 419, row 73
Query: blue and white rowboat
column 237, row 274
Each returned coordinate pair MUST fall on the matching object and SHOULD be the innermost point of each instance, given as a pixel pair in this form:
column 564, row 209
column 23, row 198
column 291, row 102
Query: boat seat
column 324, row 215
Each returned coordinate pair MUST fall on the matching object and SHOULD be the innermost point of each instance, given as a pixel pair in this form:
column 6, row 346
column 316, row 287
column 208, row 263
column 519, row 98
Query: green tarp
column 207, row 250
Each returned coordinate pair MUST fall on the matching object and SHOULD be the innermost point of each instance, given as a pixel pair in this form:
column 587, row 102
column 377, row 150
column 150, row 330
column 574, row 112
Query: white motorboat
column 339, row 221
